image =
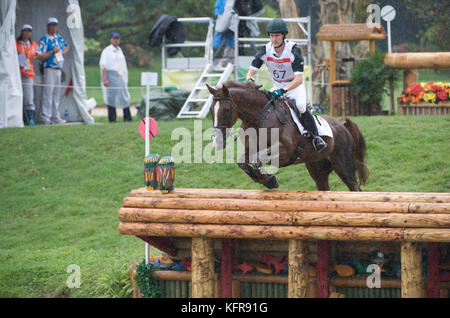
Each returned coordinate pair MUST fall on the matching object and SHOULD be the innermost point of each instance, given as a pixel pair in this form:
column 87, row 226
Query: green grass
column 61, row 188
column 134, row 80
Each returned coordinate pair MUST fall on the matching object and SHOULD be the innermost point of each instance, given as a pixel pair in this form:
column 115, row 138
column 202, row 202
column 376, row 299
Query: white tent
column 15, row 13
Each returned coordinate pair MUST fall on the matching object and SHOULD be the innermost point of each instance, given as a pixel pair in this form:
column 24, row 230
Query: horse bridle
column 234, row 105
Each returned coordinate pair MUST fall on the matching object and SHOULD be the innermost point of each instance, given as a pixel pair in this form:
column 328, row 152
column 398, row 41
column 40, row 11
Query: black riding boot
column 310, row 123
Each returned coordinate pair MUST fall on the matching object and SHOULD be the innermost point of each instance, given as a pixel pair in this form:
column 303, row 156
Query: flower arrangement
column 426, row 92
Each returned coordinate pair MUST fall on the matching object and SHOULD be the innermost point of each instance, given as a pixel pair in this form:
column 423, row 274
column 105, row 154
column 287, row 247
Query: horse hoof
column 272, row 183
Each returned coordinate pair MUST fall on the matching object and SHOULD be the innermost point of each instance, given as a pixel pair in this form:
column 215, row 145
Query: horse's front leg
column 256, row 172
column 270, row 181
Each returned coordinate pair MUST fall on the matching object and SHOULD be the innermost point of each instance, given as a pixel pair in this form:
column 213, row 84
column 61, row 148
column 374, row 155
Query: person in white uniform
column 284, row 61
column 114, row 81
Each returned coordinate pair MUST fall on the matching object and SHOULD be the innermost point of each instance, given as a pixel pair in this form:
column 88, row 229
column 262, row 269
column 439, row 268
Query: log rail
column 296, row 216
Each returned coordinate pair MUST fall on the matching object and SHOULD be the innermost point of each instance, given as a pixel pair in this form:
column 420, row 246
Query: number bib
column 280, row 67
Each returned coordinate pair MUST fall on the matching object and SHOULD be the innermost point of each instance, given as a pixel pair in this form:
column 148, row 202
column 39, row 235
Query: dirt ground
column 103, row 111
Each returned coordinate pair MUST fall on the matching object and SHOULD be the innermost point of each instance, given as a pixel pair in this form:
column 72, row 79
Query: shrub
column 146, row 281
column 369, row 81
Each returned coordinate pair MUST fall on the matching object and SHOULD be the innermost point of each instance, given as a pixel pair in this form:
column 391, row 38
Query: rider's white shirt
column 281, row 67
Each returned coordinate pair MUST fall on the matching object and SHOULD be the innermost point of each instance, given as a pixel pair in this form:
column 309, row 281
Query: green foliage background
column 369, row 79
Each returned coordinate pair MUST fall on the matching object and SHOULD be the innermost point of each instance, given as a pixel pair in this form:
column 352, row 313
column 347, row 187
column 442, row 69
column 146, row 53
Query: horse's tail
column 359, row 153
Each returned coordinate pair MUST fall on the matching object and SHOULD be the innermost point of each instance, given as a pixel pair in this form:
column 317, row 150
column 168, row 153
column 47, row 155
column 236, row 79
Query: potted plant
column 425, row 99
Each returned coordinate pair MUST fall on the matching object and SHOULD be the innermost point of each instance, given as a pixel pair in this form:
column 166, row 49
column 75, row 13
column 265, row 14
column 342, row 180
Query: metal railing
column 301, row 42
column 207, row 44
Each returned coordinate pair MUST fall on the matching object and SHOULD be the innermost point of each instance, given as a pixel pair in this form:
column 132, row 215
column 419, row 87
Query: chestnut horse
column 345, row 153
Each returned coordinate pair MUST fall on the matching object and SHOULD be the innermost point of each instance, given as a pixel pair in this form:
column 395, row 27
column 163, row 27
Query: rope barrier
column 89, row 87
column 128, row 87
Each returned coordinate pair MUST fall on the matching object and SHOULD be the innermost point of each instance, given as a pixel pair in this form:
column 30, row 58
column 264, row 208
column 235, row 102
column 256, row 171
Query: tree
column 289, row 9
column 435, row 17
column 134, row 19
column 337, row 12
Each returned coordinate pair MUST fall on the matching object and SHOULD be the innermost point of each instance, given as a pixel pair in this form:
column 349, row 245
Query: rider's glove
column 278, row 93
column 251, row 79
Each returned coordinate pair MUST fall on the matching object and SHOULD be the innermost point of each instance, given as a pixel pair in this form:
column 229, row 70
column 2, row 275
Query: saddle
column 291, row 103
column 281, row 105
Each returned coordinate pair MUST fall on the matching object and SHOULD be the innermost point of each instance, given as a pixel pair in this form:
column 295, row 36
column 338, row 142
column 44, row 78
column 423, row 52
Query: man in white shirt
column 114, row 81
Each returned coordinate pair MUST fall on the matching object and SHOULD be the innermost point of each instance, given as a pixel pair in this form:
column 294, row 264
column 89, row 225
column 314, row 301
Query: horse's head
column 224, row 115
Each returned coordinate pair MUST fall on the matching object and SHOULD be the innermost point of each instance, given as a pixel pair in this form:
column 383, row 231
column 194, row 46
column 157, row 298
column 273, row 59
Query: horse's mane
column 232, row 84
column 245, row 85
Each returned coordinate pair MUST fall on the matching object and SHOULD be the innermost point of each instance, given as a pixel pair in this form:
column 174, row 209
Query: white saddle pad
column 323, row 128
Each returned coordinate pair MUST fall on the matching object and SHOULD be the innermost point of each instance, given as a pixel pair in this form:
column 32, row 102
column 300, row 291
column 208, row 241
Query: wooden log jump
column 410, row 63
column 418, row 60
column 206, row 215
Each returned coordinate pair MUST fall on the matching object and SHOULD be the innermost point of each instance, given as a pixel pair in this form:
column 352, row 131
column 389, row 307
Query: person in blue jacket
column 228, row 52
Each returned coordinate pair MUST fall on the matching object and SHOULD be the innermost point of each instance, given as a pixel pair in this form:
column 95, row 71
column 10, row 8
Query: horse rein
column 259, row 117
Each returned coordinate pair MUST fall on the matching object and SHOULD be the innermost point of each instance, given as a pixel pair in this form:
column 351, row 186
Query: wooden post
column 372, row 47
column 226, row 267
column 202, row 267
column 411, row 258
column 323, row 268
column 332, row 73
column 298, row 278
column 217, row 286
column 433, row 271
column 409, row 76
column 236, row 289
column 312, row 292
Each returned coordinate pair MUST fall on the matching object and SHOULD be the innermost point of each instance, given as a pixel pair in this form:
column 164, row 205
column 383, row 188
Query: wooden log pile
column 265, row 215
column 288, row 218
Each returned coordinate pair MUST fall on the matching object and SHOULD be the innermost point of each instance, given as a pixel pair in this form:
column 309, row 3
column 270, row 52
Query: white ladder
column 194, row 101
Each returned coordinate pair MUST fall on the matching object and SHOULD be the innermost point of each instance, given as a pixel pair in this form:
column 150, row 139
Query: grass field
column 61, row 188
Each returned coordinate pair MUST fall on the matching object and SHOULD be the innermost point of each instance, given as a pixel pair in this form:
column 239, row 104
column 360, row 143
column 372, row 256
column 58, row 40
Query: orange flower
column 405, row 98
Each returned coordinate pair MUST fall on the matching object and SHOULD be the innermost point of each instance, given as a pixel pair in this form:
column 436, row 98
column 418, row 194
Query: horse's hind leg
column 343, row 164
column 320, row 171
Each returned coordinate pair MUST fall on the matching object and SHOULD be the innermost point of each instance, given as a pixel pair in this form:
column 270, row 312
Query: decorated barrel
column 150, row 171
column 166, row 174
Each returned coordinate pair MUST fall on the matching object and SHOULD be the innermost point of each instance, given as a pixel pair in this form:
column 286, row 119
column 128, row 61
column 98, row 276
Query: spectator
column 52, row 48
column 226, row 37
column 114, row 74
column 26, row 50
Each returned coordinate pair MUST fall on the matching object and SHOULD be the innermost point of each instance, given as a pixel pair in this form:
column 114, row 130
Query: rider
column 284, row 60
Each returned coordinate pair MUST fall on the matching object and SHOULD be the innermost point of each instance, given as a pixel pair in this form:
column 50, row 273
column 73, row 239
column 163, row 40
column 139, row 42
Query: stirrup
column 318, row 143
